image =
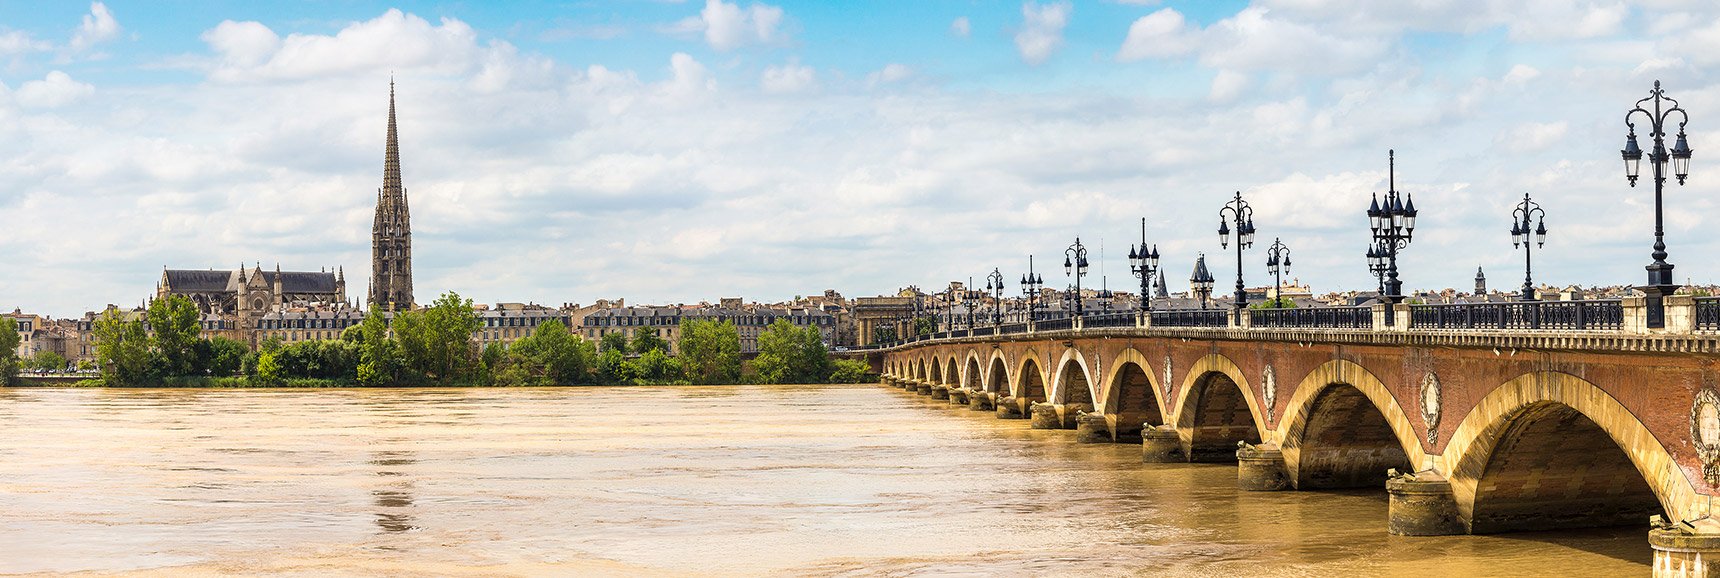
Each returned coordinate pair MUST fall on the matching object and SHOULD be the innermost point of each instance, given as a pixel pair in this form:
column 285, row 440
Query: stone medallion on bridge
column 1269, row 391
column 1167, row 381
column 1705, row 432
column 1430, row 406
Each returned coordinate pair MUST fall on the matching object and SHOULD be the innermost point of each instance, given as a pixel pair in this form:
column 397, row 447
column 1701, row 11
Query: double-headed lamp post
column 1243, row 215
column 1031, row 285
column 994, row 286
column 1143, row 262
column 969, row 296
column 1659, row 272
column 1393, row 225
column 1528, row 212
column 1200, row 282
column 1278, row 263
column 1075, row 265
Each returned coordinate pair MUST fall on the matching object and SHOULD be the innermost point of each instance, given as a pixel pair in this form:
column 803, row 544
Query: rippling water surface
column 792, row 480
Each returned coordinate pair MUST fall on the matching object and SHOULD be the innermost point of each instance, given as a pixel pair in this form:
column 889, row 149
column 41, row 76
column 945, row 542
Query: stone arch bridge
column 1468, row 429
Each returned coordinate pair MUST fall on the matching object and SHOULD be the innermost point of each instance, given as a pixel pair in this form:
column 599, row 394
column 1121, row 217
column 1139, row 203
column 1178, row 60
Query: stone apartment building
column 750, row 320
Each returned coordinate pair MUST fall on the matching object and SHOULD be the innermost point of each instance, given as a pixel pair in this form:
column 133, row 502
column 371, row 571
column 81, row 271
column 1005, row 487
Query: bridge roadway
column 1468, row 430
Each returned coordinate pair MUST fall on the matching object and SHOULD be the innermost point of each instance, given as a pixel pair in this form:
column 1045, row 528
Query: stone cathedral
column 391, row 234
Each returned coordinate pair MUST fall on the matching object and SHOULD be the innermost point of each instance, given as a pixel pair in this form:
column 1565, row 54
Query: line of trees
column 434, row 346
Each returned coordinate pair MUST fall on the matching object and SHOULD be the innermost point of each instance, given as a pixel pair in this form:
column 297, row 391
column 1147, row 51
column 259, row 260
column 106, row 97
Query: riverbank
column 242, row 382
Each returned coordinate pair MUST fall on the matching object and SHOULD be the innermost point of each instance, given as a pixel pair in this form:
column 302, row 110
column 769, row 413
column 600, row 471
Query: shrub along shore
column 433, row 347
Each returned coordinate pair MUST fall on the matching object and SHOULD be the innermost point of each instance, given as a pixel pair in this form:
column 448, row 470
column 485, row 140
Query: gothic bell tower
column 391, row 235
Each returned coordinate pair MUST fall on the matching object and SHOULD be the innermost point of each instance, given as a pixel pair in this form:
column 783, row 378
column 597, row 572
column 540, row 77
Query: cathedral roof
column 303, row 281
column 198, row 281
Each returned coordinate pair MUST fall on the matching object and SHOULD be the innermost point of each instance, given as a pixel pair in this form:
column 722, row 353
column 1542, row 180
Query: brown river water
column 708, row 481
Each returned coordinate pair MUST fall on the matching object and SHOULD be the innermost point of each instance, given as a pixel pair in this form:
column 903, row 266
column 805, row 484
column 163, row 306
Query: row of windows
column 750, row 320
column 337, row 323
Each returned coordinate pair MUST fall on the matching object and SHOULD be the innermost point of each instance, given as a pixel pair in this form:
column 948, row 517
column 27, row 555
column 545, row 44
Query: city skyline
column 682, row 151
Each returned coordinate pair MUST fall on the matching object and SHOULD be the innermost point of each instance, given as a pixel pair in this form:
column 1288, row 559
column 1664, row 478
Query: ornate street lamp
column 1200, row 282
column 994, row 286
column 1278, row 263
column 1075, row 265
column 1659, row 272
column 1143, row 262
column 970, row 295
column 1520, row 220
column 1105, row 295
column 1243, row 216
column 1393, row 226
column 1031, row 285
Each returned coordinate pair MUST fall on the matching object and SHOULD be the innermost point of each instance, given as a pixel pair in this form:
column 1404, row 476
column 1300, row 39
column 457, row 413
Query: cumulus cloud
column 790, row 77
column 1157, row 35
column 1227, row 85
column 394, row 40
column 890, row 73
column 98, row 26
column 960, row 27
column 727, row 26
column 1041, row 32
column 17, row 42
column 55, row 90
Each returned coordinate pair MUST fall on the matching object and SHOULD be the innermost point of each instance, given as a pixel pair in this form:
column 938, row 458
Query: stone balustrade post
column 1635, row 321
column 1680, row 314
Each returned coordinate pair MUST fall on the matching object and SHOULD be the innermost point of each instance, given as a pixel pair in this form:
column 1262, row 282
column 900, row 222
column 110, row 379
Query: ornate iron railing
column 1055, row 324
column 1012, row 328
column 983, row 331
column 1333, row 317
column 1534, row 315
column 1191, row 318
column 1108, row 320
column 1708, row 313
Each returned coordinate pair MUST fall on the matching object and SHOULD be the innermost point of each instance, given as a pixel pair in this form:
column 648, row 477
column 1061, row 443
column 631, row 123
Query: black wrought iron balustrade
column 1314, row 317
column 1058, row 324
column 1595, row 315
column 979, row 331
column 1190, row 318
column 1108, row 320
column 1708, row 313
column 1012, row 328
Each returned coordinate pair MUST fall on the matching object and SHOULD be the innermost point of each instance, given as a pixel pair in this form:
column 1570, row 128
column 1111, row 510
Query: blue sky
column 682, row 151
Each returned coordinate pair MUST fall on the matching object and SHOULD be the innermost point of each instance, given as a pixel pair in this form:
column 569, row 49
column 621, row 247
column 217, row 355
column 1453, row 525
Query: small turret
column 1480, row 282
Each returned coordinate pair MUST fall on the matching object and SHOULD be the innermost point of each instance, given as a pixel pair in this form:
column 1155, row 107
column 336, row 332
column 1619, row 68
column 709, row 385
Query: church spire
column 391, row 234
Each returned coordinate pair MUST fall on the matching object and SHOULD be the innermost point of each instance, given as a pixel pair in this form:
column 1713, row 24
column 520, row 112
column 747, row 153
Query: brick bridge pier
column 1473, row 418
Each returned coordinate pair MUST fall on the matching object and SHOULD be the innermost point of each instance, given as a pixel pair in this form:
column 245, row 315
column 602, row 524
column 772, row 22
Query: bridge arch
column 972, row 378
column 1215, row 410
column 1130, row 396
column 1586, row 459
column 1029, row 378
column 997, row 376
column 952, row 372
column 937, row 372
column 1070, row 385
column 1345, row 429
column 922, row 375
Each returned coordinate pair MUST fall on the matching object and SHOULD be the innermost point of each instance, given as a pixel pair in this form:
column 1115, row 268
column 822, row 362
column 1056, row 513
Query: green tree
column 220, row 356
column 849, row 371
column 122, row 349
column 789, row 354
column 268, row 369
column 551, row 355
column 1277, row 303
column 923, row 326
column 646, row 340
column 437, row 341
column 48, row 361
column 175, row 322
column 8, row 350
column 611, row 367
column 613, row 341
column 379, row 360
column 710, row 351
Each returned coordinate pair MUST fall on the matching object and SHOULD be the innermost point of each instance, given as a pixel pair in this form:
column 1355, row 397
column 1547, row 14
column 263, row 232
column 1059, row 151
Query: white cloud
column 1531, row 137
column 790, row 77
column 394, row 40
column 17, row 42
column 56, row 90
column 960, row 27
column 98, row 26
column 1156, row 35
column 1521, row 74
column 1227, row 85
column 728, row 26
column 1041, row 31
column 890, row 73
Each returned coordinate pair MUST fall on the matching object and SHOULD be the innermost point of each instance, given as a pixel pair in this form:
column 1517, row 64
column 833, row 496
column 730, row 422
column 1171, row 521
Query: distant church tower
column 1480, row 282
column 391, row 235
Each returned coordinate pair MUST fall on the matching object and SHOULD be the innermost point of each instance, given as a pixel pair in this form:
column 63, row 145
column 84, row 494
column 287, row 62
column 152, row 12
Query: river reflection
column 794, row 481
